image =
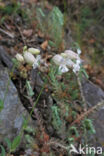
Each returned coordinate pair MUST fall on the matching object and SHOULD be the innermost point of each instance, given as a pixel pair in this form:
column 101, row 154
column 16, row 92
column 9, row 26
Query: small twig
column 36, row 114
column 82, row 116
column 57, row 144
column 31, row 41
column 21, row 34
column 11, row 35
column 82, row 95
column 102, row 18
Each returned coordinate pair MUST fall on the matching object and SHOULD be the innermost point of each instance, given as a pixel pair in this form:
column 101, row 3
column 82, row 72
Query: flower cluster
column 65, row 61
column 30, row 56
column 68, row 59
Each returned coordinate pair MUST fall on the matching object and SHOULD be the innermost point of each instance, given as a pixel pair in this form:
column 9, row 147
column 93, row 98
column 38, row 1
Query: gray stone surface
column 11, row 117
column 94, row 94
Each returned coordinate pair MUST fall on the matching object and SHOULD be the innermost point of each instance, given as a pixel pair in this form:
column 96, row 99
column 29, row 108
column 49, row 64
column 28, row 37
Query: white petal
column 38, row 57
column 78, row 61
column 76, row 68
column 78, row 51
column 35, row 65
column 34, row 51
column 63, row 69
column 58, row 59
column 69, row 63
column 71, row 54
column 19, row 57
column 29, row 58
column 63, row 55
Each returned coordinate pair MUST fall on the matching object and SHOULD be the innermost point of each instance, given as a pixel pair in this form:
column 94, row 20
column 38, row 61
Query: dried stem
column 82, row 116
column 82, row 95
column 57, row 144
column 21, row 34
column 9, row 34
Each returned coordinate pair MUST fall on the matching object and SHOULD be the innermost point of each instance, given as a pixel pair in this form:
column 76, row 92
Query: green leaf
column 25, row 48
column 15, row 62
column 87, row 123
column 2, row 20
column 85, row 73
column 56, row 14
column 29, row 139
column 51, row 24
column 29, row 129
column 25, row 123
column 51, row 43
column 74, row 129
column 41, row 12
column 15, row 143
column 3, row 153
column 1, row 105
column 8, row 143
column 29, row 89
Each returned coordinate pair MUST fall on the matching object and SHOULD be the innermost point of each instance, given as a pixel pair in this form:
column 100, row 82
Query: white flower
column 38, row 58
column 34, row 51
column 71, row 54
column 29, row 58
column 69, row 63
column 66, row 60
column 19, row 57
column 35, row 65
column 78, row 51
column 37, row 61
column 78, row 61
column 76, row 68
column 63, row 69
column 58, row 59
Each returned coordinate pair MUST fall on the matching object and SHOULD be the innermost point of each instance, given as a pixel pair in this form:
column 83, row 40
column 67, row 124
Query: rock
column 93, row 95
column 11, row 116
column 37, row 83
column 7, row 60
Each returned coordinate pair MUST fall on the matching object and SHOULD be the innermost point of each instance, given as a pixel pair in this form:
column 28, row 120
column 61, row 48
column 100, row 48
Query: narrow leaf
column 15, row 143
column 3, row 153
column 29, row 89
column 8, row 143
column 41, row 12
column 1, row 105
column 85, row 73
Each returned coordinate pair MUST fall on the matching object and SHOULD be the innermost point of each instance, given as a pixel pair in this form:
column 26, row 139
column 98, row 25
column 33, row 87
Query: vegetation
column 88, row 19
column 69, row 120
column 52, row 25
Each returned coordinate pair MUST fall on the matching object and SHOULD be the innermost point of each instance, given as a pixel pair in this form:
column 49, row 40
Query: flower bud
column 19, row 57
column 34, row 51
column 63, row 55
column 29, row 58
column 71, row 55
column 58, row 59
